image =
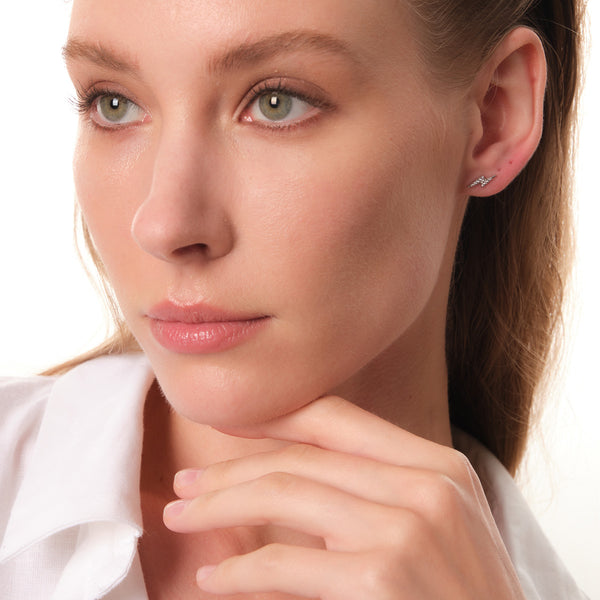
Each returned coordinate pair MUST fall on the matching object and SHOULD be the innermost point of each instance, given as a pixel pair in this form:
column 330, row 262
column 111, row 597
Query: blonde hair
column 514, row 250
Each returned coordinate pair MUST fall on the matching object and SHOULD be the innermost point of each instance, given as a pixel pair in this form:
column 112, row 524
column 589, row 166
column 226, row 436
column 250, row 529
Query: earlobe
column 508, row 99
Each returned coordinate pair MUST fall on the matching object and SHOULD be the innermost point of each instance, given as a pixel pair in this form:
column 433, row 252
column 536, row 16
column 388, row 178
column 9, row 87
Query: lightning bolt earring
column 482, row 181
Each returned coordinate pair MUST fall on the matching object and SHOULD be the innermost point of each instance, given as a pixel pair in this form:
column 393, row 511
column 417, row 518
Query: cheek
column 109, row 179
column 347, row 250
column 353, row 228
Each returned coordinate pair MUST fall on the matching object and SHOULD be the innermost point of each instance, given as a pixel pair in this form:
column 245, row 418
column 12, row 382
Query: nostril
column 192, row 249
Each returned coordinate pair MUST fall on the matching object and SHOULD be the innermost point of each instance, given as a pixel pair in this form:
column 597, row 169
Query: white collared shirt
column 70, row 515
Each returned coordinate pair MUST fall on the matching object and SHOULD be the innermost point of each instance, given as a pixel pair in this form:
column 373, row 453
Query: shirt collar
column 85, row 468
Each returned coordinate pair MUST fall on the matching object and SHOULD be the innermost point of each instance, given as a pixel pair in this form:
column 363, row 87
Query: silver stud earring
column 482, row 181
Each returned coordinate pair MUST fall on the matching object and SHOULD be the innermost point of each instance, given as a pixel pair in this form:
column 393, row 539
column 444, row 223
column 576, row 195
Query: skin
column 341, row 227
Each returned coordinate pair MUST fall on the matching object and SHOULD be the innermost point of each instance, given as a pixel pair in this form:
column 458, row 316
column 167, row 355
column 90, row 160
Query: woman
column 333, row 230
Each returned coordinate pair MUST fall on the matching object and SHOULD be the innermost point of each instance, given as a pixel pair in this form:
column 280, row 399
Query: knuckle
column 277, row 483
column 440, row 499
column 298, row 453
column 381, row 576
column 270, row 557
column 406, row 531
column 218, row 475
column 234, row 572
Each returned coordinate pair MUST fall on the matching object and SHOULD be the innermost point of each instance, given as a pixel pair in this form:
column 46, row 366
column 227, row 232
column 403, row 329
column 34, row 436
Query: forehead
column 372, row 30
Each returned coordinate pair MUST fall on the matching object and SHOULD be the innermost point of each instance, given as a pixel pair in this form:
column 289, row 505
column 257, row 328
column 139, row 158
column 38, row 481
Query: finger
column 344, row 521
column 344, row 471
column 336, row 424
column 428, row 493
column 369, row 479
column 303, row 572
column 272, row 568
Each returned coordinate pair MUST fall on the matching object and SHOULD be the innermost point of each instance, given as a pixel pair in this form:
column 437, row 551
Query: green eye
column 114, row 109
column 278, row 108
column 275, row 106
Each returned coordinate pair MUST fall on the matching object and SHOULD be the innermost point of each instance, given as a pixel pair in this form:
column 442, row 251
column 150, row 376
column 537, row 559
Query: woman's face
column 285, row 168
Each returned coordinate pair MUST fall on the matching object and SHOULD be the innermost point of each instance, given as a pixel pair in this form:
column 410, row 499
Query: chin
column 226, row 399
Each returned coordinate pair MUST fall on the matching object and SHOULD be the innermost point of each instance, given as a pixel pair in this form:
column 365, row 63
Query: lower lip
column 203, row 338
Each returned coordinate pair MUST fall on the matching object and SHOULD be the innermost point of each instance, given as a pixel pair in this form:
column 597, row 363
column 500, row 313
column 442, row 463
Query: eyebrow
column 78, row 49
column 287, row 42
column 235, row 58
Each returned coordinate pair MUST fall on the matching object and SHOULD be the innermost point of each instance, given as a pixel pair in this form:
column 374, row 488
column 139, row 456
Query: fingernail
column 174, row 509
column 204, row 572
column 187, row 477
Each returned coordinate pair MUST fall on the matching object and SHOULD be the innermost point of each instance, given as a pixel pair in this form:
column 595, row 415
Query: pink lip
column 200, row 329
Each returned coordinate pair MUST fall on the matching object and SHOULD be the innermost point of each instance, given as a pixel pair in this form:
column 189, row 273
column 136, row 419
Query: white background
column 49, row 312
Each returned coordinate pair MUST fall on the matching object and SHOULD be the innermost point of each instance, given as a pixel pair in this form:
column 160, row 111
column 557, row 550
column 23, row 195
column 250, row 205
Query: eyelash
column 84, row 102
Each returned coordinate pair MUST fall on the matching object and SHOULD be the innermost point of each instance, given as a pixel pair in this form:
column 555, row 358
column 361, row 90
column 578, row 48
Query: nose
column 184, row 215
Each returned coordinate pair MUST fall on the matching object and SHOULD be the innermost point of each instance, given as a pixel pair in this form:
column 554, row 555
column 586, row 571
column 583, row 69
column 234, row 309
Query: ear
column 507, row 107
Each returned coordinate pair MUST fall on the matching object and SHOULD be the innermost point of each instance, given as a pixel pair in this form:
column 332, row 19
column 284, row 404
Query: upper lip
column 197, row 313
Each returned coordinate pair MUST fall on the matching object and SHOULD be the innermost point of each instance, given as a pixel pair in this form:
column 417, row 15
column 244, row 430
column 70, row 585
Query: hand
column 401, row 517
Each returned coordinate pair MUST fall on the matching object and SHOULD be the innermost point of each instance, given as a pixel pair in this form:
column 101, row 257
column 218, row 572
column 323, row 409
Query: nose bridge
column 180, row 159
column 185, row 210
